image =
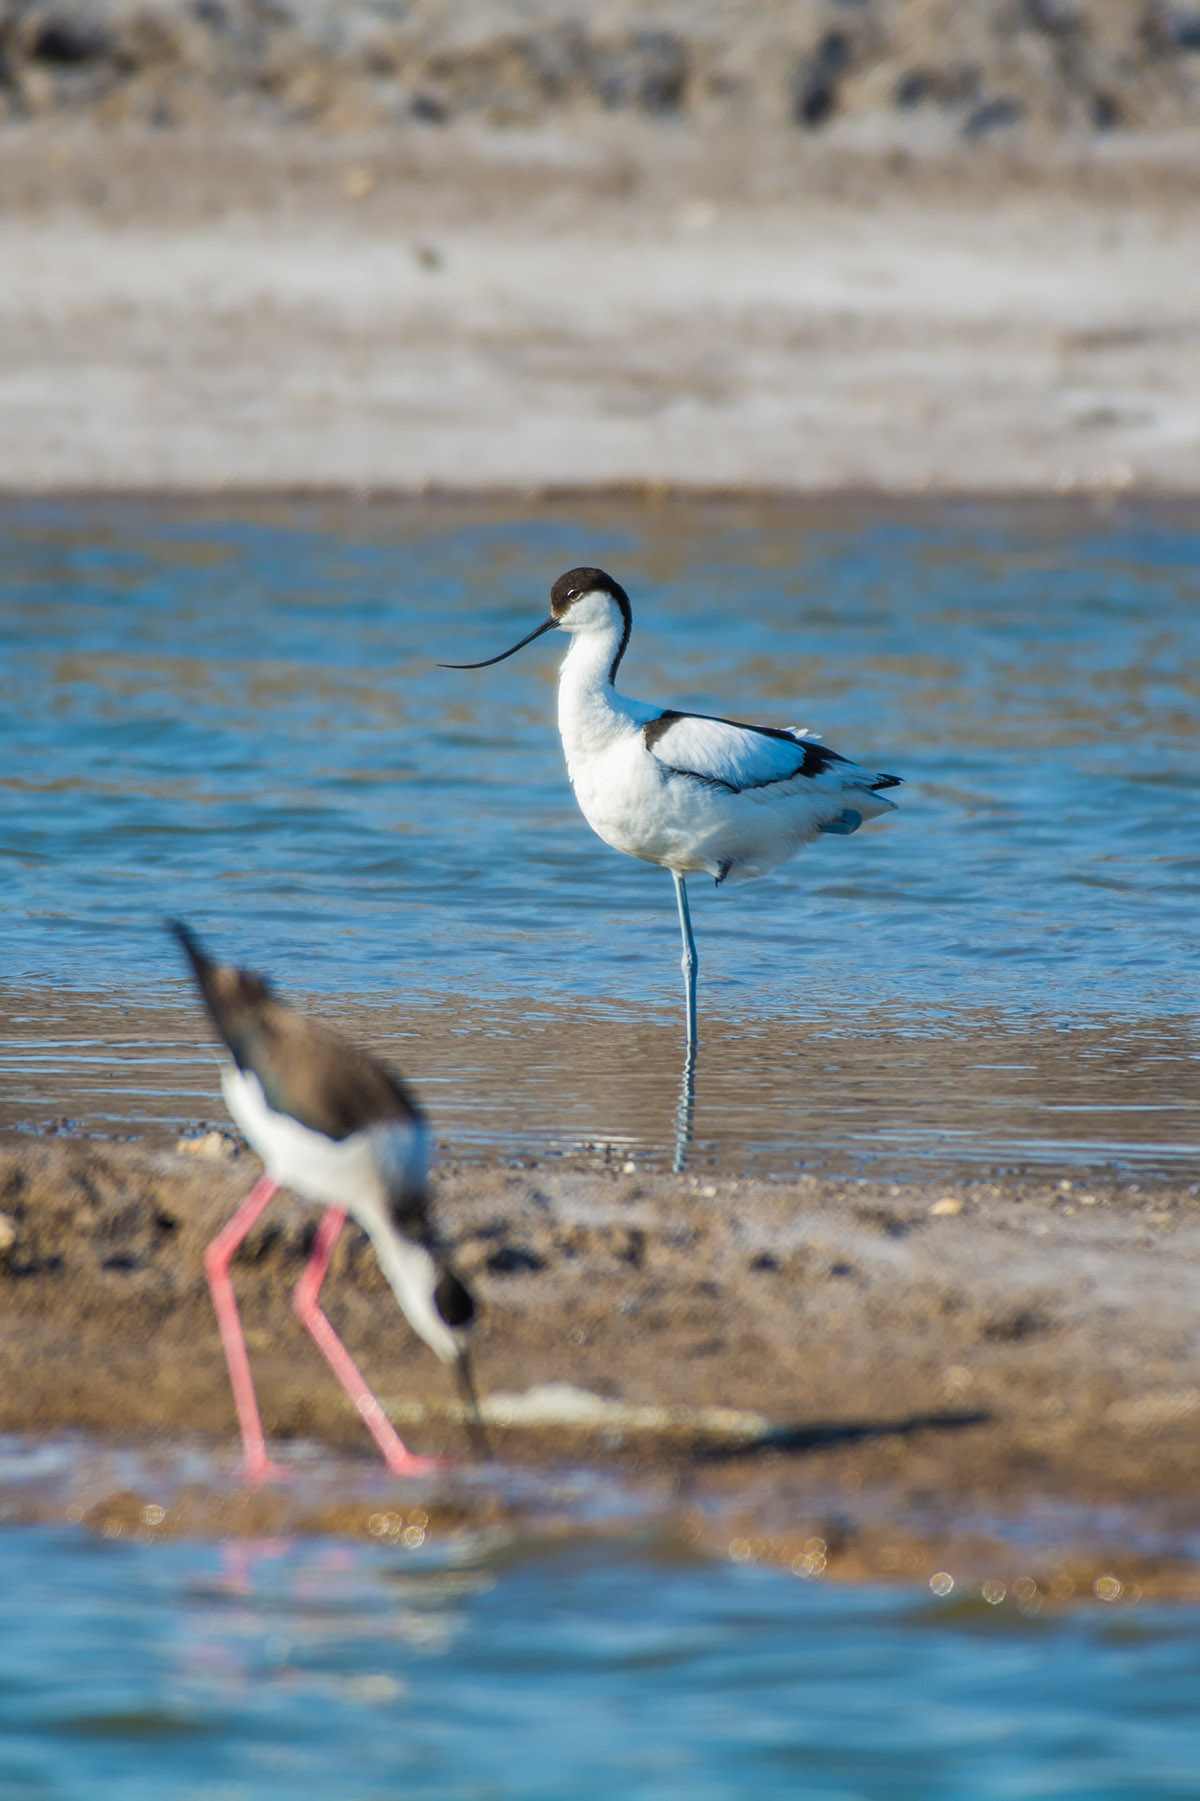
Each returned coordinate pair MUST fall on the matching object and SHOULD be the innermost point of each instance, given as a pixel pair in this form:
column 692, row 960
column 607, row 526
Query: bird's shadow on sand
column 799, row 1441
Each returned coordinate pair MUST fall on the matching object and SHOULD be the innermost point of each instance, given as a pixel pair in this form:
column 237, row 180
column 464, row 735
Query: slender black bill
column 547, row 625
column 475, row 1429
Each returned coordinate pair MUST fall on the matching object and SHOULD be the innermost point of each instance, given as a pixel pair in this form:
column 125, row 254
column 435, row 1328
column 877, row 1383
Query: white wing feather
column 717, row 750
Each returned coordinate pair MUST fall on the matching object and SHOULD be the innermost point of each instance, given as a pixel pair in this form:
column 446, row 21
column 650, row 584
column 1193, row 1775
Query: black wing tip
column 194, row 951
column 888, row 781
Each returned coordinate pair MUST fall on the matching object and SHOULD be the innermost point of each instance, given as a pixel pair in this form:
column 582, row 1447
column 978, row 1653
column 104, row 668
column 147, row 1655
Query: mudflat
column 937, row 1366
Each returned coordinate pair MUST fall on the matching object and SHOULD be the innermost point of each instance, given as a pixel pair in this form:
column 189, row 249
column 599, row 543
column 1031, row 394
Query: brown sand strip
column 938, row 1360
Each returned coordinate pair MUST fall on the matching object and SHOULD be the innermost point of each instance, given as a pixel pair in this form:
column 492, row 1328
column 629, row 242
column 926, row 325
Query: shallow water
column 233, row 714
column 253, row 1670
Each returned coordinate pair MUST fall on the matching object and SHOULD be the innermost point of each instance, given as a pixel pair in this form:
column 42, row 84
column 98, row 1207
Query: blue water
column 235, row 715
column 246, row 1672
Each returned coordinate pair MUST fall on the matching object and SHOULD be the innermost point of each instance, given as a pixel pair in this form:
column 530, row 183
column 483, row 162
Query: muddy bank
column 935, row 1359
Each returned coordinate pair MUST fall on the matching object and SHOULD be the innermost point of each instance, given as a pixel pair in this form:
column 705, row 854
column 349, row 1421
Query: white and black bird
column 334, row 1125
column 690, row 792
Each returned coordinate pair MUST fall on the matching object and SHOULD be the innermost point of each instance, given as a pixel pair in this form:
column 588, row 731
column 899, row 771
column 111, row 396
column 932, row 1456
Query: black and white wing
column 724, row 754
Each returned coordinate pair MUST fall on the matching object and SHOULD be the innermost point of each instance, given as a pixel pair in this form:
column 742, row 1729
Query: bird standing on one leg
column 687, row 791
column 331, row 1123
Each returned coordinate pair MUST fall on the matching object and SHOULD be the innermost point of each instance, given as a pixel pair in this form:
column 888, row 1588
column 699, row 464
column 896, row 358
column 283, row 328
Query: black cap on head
column 577, row 582
column 566, row 591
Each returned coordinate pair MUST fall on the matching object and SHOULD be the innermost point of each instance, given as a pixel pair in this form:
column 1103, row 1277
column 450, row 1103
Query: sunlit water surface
column 233, row 714
column 245, row 1671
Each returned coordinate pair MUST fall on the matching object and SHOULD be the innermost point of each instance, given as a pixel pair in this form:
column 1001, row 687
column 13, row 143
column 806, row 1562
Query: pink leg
column 259, row 1467
column 399, row 1459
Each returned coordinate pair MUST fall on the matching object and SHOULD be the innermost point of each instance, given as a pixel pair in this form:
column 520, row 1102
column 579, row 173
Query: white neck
column 590, row 711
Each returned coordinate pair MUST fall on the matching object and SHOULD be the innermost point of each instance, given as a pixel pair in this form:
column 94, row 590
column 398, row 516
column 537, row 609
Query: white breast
column 349, row 1172
column 357, row 1173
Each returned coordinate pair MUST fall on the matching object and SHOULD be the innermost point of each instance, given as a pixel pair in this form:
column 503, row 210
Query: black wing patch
column 812, row 758
column 305, row 1070
column 321, row 1080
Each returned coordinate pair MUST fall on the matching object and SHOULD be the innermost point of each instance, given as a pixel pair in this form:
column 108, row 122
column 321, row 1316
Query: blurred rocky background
column 907, row 68
column 931, row 245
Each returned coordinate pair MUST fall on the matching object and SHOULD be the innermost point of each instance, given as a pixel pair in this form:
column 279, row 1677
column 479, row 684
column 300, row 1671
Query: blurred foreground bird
column 687, row 791
column 335, row 1126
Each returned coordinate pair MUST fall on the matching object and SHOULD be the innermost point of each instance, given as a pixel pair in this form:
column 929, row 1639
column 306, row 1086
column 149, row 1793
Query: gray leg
column 685, row 1111
column 690, row 959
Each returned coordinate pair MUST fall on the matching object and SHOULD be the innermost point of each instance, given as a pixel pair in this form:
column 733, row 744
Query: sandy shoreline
column 940, row 1359
column 603, row 302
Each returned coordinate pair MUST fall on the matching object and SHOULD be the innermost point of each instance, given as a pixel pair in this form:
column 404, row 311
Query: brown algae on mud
column 997, row 1394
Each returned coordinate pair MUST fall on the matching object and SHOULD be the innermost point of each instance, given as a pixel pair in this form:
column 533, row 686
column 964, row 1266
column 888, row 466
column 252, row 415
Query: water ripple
column 236, row 717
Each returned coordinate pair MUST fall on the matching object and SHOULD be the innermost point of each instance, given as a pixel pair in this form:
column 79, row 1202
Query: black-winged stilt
column 687, row 791
column 337, row 1127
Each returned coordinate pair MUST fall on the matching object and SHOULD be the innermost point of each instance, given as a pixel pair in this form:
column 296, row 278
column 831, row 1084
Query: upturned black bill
column 476, row 1432
column 547, row 625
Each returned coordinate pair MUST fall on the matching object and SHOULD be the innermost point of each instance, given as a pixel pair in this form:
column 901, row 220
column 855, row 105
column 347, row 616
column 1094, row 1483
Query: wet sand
column 997, row 1376
column 934, row 1093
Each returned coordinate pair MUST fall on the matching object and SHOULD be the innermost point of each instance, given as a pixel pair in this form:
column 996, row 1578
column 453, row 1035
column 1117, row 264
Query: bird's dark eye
column 572, row 593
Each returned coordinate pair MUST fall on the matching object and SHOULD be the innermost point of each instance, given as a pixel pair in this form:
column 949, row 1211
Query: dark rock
column 1106, row 112
column 954, row 86
column 1011, row 1328
column 36, row 1266
column 993, row 115
column 815, row 82
column 427, row 109
column 515, row 1259
column 633, row 1249
column 883, row 1219
column 67, row 37
column 1183, row 30
column 263, row 1240
column 914, row 88
column 1057, row 18
column 649, row 72
column 555, row 62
